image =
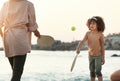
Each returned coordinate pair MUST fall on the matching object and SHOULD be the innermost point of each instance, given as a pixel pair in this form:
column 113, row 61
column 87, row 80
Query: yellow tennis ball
column 73, row 28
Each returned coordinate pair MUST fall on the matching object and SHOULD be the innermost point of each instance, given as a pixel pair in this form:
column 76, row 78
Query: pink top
column 18, row 18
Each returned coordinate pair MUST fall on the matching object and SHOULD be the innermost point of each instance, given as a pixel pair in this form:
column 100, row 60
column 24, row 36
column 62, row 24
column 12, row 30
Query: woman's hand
column 37, row 34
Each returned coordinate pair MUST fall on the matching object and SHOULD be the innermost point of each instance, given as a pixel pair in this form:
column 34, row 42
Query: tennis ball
column 73, row 28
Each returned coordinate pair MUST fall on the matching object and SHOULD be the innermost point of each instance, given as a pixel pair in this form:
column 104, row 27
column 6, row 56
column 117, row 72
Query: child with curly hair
column 95, row 40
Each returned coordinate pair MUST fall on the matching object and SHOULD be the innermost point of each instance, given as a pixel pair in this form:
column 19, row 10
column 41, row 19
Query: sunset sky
column 56, row 17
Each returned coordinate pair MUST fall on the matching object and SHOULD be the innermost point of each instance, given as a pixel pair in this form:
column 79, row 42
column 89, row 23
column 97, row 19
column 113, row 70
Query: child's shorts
column 95, row 65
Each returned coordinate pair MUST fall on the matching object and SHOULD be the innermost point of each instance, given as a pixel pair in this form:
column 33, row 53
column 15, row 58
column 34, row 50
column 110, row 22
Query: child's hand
column 103, row 61
column 77, row 51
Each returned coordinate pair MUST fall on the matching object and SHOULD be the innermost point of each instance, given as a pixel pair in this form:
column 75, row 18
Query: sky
column 56, row 17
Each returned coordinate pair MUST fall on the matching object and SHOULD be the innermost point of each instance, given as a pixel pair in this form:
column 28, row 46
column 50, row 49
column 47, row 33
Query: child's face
column 93, row 26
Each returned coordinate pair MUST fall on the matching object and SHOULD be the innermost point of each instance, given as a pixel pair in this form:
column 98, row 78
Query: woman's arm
column 32, row 21
column 1, row 33
column 2, row 15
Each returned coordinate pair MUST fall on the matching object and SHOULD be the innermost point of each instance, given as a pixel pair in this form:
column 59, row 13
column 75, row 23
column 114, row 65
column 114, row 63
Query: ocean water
column 55, row 66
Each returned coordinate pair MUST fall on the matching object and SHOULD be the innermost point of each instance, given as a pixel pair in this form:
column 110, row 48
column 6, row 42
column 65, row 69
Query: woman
column 18, row 19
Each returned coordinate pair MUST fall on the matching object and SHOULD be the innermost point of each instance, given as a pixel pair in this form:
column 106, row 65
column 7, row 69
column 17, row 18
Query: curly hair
column 99, row 21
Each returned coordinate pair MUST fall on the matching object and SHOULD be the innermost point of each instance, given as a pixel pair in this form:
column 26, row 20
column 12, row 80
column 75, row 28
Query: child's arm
column 102, row 48
column 81, row 43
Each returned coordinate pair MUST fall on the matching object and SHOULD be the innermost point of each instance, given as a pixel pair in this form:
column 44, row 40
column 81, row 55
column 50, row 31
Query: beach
column 55, row 66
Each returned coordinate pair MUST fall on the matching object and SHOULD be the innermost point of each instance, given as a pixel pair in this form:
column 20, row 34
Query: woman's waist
column 15, row 26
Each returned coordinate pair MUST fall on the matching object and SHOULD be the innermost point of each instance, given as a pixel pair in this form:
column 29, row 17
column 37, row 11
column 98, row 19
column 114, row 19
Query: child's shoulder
column 101, row 33
column 88, row 32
